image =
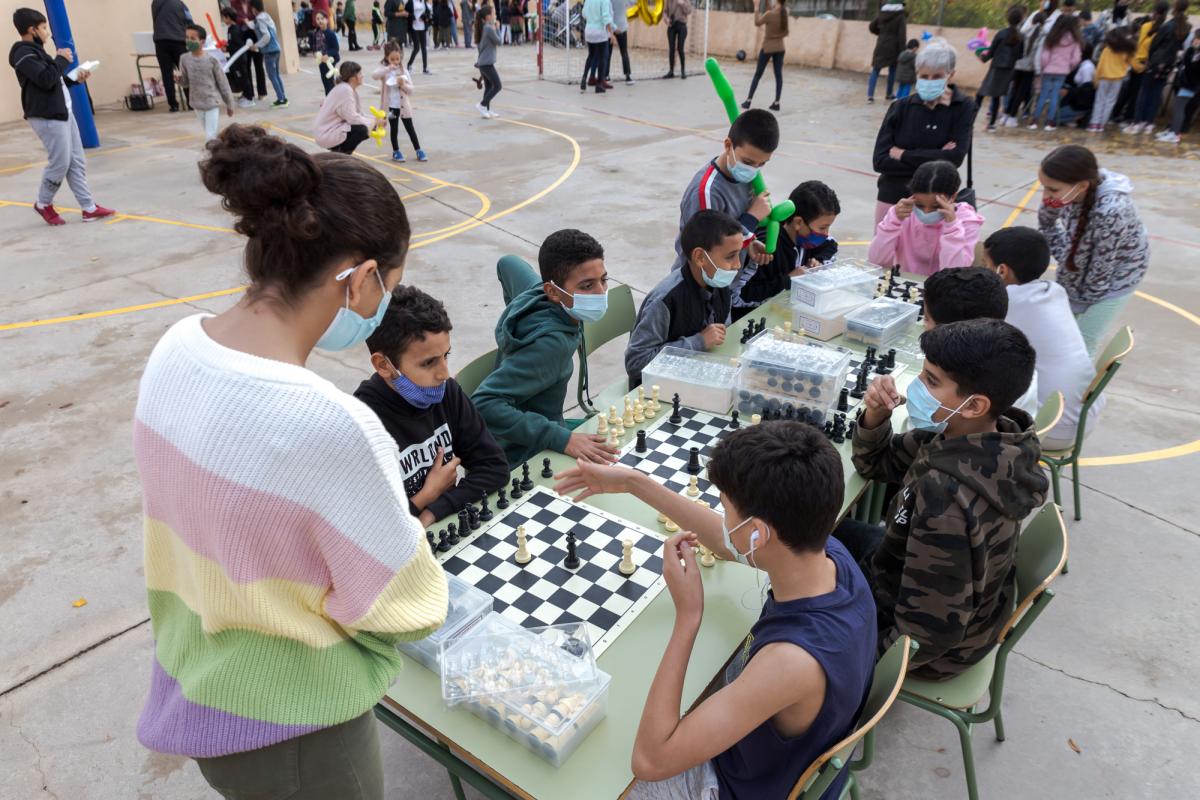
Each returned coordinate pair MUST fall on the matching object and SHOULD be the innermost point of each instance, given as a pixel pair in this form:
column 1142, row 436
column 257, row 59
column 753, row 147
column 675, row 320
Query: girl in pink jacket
column 927, row 231
column 340, row 125
column 1062, row 50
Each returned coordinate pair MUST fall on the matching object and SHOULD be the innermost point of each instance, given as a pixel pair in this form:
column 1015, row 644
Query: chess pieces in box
column 703, row 380
column 467, row 607
column 539, row 686
column 881, row 321
column 838, row 286
column 783, row 369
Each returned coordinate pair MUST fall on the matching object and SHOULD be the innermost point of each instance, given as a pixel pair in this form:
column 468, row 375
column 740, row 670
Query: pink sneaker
column 100, row 212
column 49, row 214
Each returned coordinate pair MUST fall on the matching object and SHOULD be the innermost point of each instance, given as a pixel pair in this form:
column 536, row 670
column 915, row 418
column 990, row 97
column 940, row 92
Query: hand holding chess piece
column 682, row 576
column 879, row 401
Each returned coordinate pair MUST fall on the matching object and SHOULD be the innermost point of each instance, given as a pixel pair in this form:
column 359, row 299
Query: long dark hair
column 783, row 16
column 1180, row 19
column 1159, row 15
column 301, row 212
column 1073, row 163
column 1066, row 24
column 1013, row 17
column 1120, row 40
column 481, row 18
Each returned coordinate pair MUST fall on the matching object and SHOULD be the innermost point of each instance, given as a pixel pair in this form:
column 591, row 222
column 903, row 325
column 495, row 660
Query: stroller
column 304, row 30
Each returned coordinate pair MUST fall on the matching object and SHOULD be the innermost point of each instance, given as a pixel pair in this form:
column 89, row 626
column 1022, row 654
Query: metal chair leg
column 855, row 792
column 1075, row 481
column 968, row 754
column 1054, row 483
column 999, row 722
column 456, row 784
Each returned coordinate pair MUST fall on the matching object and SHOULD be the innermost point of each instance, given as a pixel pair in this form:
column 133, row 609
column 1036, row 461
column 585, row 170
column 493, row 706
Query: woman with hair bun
column 282, row 563
column 340, row 125
column 1095, row 235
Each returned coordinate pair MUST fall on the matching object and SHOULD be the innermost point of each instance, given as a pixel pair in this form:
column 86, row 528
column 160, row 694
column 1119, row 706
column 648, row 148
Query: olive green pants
column 342, row 762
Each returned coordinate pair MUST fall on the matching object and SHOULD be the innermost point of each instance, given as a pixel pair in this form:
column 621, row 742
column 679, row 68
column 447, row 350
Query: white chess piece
column 662, row 518
column 706, row 557
column 648, row 410
column 693, row 489
column 628, row 420
column 671, row 526
column 612, row 415
column 522, row 556
column 620, row 428
column 639, row 412
column 627, row 567
column 654, row 397
column 601, row 424
column 614, row 438
column 641, row 395
column 787, row 326
column 755, row 419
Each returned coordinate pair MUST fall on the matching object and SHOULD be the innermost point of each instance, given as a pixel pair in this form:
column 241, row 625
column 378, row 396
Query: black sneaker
column 669, row 75
column 280, row 103
column 774, row 106
column 746, row 104
column 682, row 75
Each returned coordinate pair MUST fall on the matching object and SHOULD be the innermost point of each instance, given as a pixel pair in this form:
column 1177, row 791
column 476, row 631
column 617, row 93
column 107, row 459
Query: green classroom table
column 498, row 767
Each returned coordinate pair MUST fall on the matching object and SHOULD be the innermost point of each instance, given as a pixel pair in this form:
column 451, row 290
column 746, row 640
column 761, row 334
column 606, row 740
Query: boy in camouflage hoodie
column 943, row 569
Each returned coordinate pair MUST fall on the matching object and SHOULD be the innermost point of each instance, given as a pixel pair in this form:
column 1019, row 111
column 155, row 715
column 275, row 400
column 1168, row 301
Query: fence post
column 707, row 6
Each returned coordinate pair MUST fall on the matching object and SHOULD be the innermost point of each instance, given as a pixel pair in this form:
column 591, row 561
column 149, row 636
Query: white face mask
column 728, row 534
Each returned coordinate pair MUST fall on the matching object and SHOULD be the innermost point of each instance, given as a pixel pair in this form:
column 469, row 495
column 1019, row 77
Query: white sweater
column 1041, row 310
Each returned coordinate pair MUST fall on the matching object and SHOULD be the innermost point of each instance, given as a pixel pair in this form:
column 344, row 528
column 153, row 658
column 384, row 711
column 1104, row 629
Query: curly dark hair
column 410, row 316
column 563, row 251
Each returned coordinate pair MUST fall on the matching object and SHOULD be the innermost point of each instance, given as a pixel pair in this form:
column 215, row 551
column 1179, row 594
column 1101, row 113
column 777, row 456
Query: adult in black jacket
column 890, row 28
column 46, row 104
column 434, row 423
column 932, row 124
column 170, row 23
column 1165, row 48
column 396, row 20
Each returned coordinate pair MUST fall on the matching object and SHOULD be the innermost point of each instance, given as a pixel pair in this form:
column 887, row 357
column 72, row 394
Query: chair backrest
column 1109, row 361
column 617, row 321
column 470, row 376
column 1041, row 556
column 1049, row 414
column 885, row 686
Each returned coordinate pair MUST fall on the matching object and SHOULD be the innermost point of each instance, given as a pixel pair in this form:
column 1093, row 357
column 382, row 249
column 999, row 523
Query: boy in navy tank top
column 801, row 676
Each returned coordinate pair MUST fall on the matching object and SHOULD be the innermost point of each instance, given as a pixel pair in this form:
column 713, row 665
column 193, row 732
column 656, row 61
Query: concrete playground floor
column 1100, row 699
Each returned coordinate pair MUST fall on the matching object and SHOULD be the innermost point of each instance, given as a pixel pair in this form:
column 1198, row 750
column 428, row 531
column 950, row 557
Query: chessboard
column 668, row 446
column 897, row 288
column 544, row 592
column 856, row 363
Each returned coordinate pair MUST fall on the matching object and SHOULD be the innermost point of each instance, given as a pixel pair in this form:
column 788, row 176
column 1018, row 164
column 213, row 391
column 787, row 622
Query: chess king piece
column 627, row 567
column 654, row 397
column 675, row 417
column 522, row 555
column 628, row 420
column 641, row 395
column 572, row 559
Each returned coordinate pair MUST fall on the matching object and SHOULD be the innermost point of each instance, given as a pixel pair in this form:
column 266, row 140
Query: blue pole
column 81, row 105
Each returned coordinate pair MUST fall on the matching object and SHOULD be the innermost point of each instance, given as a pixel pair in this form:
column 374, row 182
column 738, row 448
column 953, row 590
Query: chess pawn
column 671, row 526
column 620, row 428
column 627, row 567
column 639, row 412
column 755, row 419
column 706, row 557
column 693, row 489
column 662, row 518
column 522, row 555
column 654, row 397
column 648, row 410
column 628, row 419
column 614, row 439
column 787, row 327
column 612, row 415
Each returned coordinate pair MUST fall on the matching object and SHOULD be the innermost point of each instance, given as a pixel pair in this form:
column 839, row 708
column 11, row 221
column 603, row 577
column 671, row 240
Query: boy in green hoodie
column 943, row 568
column 537, row 336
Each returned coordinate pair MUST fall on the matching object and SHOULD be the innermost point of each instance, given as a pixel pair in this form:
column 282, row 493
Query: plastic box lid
column 880, row 315
column 492, row 662
column 689, row 366
column 838, row 284
column 793, row 352
column 468, row 604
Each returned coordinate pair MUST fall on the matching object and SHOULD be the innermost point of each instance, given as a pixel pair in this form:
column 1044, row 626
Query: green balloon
column 772, row 235
column 783, row 211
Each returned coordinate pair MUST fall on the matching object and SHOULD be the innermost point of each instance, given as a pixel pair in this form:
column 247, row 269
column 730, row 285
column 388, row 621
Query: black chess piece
column 762, row 324
column 501, row 499
column 693, row 465
column 574, row 646
column 891, row 358
column 788, row 411
column 675, row 417
column 850, row 429
column 443, row 544
column 452, row 533
column 546, row 471
column 526, row 481
column 516, row 488
column 843, row 403
column 746, row 333
column 572, row 559
column 464, row 520
column 472, row 517
column 485, row 513
column 860, row 385
column 429, row 537
column 640, row 447
column 871, row 351
column 733, row 419
column 828, row 429
column 839, row 428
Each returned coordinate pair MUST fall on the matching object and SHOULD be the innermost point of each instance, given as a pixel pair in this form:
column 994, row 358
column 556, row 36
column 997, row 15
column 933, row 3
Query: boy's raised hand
column 714, row 335
column 759, row 254
column 593, row 479
column 682, row 575
column 880, row 400
column 590, row 446
column 65, row 52
column 760, row 206
column 441, row 476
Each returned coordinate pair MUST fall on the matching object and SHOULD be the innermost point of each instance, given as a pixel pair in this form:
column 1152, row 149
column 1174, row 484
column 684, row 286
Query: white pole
column 707, row 6
column 567, row 5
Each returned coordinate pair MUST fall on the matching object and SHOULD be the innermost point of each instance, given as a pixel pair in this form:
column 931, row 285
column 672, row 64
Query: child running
column 340, row 125
column 927, row 231
column 205, row 82
column 395, row 90
column 488, row 39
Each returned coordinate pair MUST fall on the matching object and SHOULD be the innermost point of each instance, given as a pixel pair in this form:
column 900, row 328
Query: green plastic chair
column 889, row 674
column 1049, row 414
column 470, row 376
column 1041, row 556
column 616, row 322
column 1107, row 364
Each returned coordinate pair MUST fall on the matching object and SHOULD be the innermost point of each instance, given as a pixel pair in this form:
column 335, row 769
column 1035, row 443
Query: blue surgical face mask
column 348, row 328
column 584, row 307
column 812, row 240
column 418, row 396
column 930, row 90
column 742, row 173
column 727, row 532
column 927, row 217
column 922, row 405
column 721, row 278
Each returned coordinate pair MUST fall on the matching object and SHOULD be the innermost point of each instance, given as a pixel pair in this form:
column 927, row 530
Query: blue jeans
column 271, row 62
column 904, row 90
column 875, row 77
column 1048, row 98
column 1149, row 99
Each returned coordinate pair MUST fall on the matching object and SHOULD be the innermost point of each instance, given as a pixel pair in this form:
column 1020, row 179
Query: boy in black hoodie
column 430, row 417
column 46, row 102
column 943, row 569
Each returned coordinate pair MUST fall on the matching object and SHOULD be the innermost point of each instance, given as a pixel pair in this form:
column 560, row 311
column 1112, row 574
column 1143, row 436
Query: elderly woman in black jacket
column 932, row 124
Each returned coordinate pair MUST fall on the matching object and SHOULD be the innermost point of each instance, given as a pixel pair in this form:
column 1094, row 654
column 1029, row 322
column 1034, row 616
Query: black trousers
column 861, row 540
column 776, row 60
column 352, row 34
column 1126, row 105
column 394, row 121
column 168, row 54
column 623, row 44
column 260, row 75
column 354, row 137
column 491, row 84
column 676, row 37
column 418, row 46
column 239, row 78
column 594, row 68
column 1019, row 92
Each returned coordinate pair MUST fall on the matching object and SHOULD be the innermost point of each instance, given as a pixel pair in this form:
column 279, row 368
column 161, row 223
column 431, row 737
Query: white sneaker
column 244, row 103
column 1051, row 127
column 1168, row 136
column 1033, row 126
column 493, row 114
column 1010, row 122
column 483, row 112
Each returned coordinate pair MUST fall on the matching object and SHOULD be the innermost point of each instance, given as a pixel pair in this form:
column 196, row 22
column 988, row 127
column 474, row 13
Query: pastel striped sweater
column 282, row 563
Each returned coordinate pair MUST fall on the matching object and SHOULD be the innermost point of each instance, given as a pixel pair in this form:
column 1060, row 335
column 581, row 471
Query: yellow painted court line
column 1016, row 212
column 112, row 312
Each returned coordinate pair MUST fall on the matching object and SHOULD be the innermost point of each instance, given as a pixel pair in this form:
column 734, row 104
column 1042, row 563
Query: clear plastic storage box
column 749, row 403
column 468, row 606
column 881, row 321
column 793, row 370
column 817, row 325
column 702, row 380
column 839, row 285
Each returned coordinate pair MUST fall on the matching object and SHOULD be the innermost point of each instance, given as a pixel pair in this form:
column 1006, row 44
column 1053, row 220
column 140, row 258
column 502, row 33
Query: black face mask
column 37, row 40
